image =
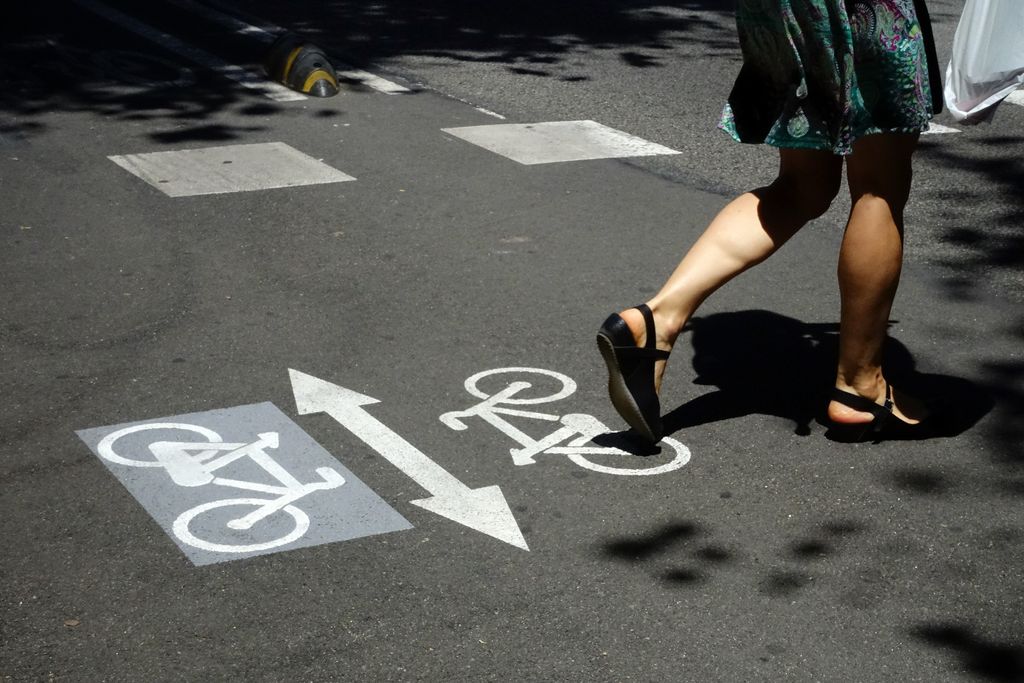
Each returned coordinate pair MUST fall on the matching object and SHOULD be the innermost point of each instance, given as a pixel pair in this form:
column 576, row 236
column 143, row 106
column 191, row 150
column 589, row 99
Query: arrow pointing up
column 484, row 510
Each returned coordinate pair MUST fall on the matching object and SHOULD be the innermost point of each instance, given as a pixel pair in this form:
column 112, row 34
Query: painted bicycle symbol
column 194, row 463
column 575, row 435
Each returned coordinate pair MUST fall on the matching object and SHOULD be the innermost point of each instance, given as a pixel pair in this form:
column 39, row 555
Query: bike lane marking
column 484, row 509
column 582, row 438
column 224, row 492
column 187, row 470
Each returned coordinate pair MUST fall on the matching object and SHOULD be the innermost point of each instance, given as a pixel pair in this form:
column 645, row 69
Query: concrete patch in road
column 554, row 141
column 240, row 482
column 232, row 168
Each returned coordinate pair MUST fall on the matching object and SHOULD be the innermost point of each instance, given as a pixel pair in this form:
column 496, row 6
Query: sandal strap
column 650, row 349
column 641, row 352
column 620, row 336
column 648, row 315
column 865, row 405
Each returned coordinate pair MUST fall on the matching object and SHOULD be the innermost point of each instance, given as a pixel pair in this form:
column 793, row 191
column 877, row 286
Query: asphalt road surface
column 306, row 389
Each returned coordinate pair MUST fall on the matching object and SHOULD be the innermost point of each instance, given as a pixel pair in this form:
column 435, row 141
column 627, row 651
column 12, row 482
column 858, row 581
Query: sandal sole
column 621, row 398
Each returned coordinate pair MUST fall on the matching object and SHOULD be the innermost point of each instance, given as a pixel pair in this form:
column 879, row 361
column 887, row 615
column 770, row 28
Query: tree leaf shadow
column 788, row 372
column 993, row 661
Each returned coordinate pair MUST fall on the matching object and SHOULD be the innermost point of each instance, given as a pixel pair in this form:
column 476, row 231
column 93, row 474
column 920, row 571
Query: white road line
column 244, row 77
column 268, row 33
column 490, row 113
column 483, row 509
column 370, row 80
column 938, row 129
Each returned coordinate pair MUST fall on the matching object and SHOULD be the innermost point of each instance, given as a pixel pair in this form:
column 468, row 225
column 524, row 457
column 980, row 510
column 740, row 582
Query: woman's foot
column 663, row 340
column 631, row 365
column 904, row 408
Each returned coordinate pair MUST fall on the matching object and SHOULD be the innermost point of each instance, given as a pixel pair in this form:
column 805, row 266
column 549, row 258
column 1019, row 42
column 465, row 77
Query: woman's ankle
column 869, row 384
column 668, row 323
column 664, row 329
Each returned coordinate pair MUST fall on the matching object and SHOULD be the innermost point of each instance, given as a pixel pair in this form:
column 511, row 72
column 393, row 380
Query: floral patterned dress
column 819, row 74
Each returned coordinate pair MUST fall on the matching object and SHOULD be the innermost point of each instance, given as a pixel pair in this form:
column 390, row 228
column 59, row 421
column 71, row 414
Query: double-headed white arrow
column 484, row 509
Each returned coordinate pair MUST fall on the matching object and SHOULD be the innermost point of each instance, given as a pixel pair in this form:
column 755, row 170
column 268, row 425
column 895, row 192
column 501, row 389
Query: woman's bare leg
column 746, row 232
column 879, row 174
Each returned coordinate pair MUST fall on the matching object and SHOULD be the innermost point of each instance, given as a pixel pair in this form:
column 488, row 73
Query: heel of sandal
column 849, row 433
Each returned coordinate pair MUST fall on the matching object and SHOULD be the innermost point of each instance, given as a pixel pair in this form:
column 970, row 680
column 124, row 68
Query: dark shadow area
column 628, row 441
column 40, row 79
column 985, row 241
column 693, row 557
column 1005, row 381
column 824, row 541
column 1011, row 487
column 783, row 583
column 653, row 543
column 919, row 481
column 696, row 557
column 769, row 364
column 60, row 57
column 521, row 34
column 991, row 661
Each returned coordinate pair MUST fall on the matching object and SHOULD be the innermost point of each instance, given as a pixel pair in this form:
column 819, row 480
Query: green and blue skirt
column 819, row 74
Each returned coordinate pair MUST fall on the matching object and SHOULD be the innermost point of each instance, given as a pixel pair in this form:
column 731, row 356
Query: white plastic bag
column 988, row 58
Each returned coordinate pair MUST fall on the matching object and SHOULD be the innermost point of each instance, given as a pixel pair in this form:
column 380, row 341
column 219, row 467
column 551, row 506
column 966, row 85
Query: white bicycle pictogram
column 573, row 438
column 193, row 463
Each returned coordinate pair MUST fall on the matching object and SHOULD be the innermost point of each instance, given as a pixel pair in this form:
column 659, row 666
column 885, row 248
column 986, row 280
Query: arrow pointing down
column 484, row 510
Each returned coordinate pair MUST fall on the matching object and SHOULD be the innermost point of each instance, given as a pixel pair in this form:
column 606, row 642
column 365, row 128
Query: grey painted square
column 233, row 168
column 239, row 482
column 554, row 141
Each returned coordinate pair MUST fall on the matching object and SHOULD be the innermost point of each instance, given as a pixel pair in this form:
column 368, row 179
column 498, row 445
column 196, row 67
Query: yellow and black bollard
column 301, row 66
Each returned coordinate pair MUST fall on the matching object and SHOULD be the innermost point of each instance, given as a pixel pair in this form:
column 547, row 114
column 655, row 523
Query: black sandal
column 631, row 373
column 884, row 427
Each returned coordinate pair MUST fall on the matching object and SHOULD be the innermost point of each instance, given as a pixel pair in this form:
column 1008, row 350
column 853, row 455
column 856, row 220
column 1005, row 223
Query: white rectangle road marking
column 556, row 141
column 244, row 77
column 268, row 33
column 1016, row 97
column 234, row 168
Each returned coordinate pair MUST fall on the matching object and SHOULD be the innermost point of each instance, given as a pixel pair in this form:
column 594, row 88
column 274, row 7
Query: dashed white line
column 490, row 113
column 370, row 80
column 244, row 77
